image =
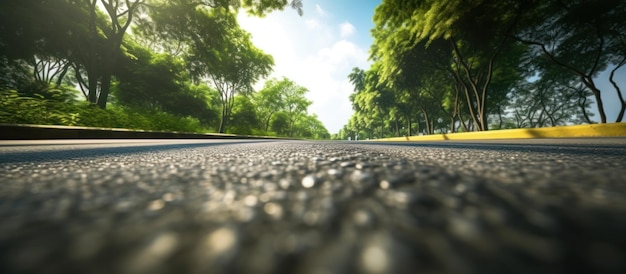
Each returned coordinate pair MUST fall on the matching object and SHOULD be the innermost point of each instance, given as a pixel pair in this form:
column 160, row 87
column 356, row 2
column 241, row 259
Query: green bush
column 18, row 109
column 57, row 109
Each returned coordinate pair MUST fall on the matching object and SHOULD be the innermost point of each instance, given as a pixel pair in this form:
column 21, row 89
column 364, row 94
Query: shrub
column 56, row 109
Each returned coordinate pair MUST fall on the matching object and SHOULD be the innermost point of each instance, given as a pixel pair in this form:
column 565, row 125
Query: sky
column 318, row 50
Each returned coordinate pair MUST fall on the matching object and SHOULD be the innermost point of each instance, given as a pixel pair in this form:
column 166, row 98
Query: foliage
column 282, row 106
column 582, row 37
column 55, row 110
column 244, row 119
column 160, row 82
column 88, row 35
column 311, row 127
column 183, row 63
column 232, row 64
column 454, row 65
column 270, row 100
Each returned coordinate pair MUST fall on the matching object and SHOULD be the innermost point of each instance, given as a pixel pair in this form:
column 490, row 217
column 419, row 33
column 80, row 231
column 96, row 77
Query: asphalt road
column 228, row 206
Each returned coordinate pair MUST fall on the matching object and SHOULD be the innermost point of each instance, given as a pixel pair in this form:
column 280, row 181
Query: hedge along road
column 276, row 206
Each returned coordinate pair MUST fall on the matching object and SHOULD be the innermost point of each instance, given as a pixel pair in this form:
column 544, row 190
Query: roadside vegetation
column 145, row 64
column 454, row 65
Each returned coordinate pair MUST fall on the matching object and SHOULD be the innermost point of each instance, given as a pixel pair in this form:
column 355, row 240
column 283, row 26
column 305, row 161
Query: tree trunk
column 90, row 65
column 427, row 125
column 620, row 116
column 409, row 125
column 395, row 121
column 500, row 117
column 93, row 87
column 66, row 67
column 596, row 93
column 223, row 121
column 484, row 124
column 105, row 88
column 267, row 121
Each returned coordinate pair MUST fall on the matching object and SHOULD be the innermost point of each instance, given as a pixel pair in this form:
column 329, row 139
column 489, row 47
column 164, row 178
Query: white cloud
column 312, row 23
column 325, row 75
column 316, row 59
column 319, row 10
column 346, row 29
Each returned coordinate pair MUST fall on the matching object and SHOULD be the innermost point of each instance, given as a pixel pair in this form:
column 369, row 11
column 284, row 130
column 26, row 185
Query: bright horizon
column 317, row 51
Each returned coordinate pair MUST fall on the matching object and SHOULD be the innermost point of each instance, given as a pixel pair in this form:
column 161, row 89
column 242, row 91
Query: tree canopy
column 186, row 62
column 454, row 65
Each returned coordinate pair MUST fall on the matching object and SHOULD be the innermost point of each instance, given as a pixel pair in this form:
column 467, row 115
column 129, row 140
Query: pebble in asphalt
column 317, row 207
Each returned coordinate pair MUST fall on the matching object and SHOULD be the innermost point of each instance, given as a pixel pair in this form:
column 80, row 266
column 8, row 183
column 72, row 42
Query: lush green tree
column 15, row 74
column 58, row 34
column 282, row 107
column 160, row 82
column 475, row 34
column 88, row 34
column 103, row 63
column 373, row 98
column 44, row 37
column 296, row 105
column 42, row 42
column 244, row 119
column 467, row 65
column 122, row 13
column 280, row 124
column 357, row 78
column 581, row 36
column 309, row 126
column 554, row 99
column 232, row 65
column 165, row 28
column 271, row 99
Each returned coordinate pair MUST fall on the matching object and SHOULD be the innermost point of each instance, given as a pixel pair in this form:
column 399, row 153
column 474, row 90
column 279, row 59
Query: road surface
column 229, row 206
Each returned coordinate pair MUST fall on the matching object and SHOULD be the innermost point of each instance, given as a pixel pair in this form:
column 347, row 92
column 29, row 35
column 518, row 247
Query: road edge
column 591, row 130
column 47, row 132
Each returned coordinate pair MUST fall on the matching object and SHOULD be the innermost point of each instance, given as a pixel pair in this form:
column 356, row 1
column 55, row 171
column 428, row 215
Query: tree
column 100, row 64
column 556, row 98
column 309, row 126
column 121, row 15
column 58, row 34
column 280, row 124
column 244, row 119
column 583, row 37
column 357, row 78
column 159, row 81
column 295, row 104
column 282, row 106
column 165, row 28
column 232, row 64
column 373, row 97
column 270, row 99
column 43, row 36
column 89, row 34
column 476, row 34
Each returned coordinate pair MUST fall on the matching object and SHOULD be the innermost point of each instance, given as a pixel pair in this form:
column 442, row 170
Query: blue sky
column 318, row 50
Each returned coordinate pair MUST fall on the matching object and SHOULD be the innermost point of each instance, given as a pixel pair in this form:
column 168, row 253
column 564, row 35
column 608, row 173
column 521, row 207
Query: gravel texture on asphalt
column 316, row 207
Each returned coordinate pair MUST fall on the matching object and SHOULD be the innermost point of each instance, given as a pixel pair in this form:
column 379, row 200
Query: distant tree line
column 187, row 62
column 453, row 65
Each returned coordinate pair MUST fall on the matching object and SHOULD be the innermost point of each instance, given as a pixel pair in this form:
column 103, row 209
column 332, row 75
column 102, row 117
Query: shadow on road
column 80, row 153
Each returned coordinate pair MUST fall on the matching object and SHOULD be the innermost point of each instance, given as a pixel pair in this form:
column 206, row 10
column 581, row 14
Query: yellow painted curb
column 593, row 130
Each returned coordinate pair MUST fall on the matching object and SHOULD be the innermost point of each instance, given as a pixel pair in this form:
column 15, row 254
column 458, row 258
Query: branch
column 550, row 56
column 600, row 47
column 619, row 65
